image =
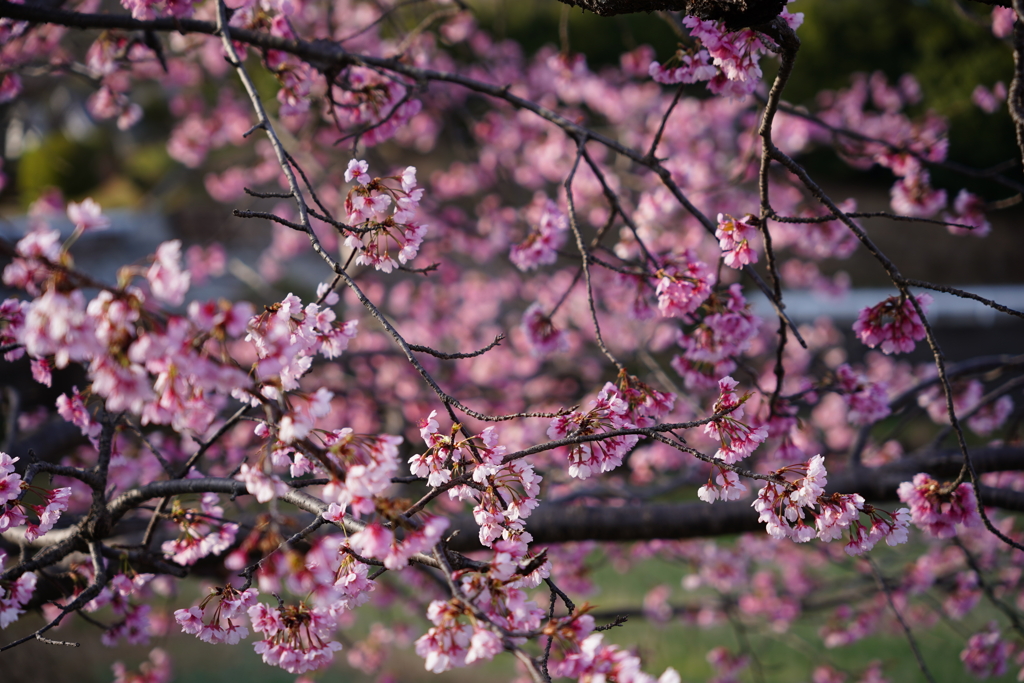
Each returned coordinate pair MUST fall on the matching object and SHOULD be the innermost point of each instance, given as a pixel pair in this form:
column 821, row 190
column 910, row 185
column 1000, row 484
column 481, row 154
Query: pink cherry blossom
column 608, row 412
column 986, row 653
column 939, row 512
column 169, row 282
column 734, row 237
column 541, row 334
column 684, row 284
column 684, row 68
column 968, row 209
column 867, row 401
column 544, row 240
column 893, row 324
column 737, row 439
column 87, row 216
column 297, row 637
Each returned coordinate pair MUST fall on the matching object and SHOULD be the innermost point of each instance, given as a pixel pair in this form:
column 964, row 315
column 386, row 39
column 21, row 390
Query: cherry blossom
column 684, row 68
column 968, row 209
column 608, row 412
column 684, row 284
column 224, row 624
column 296, row 638
column 540, row 332
column 866, row 400
column 168, row 281
column 383, row 216
column 893, row 324
column 738, row 439
column 986, row 653
column 156, row 670
column 15, row 597
column 937, row 511
column 87, row 216
column 734, row 237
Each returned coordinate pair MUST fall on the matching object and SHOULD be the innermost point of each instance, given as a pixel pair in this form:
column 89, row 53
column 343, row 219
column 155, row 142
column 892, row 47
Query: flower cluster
column 151, row 9
column 442, row 450
column 738, row 439
column 540, row 332
column 986, row 653
column 867, row 400
column 13, row 509
column 893, row 324
column 376, row 106
column 607, row 412
column 10, row 481
column 156, row 670
column 297, row 638
column 541, row 245
column 501, row 508
column 685, row 66
column 37, row 252
column 726, row 331
column 446, row 644
column 137, row 361
column 287, row 336
column 465, row 633
column 134, row 624
column 202, row 532
column 14, row 595
column 360, row 467
column 379, row 542
column 937, row 511
column 224, row 623
column 967, row 397
column 586, row 657
column 506, row 493
column 913, row 195
column 451, row 642
column 736, row 53
column 726, row 486
column 381, row 234
column 168, row 281
column 735, row 238
column 295, row 75
column 684, row 284
column 645, row 404
column 968, row 209
column 787, row 508
column 262, row 485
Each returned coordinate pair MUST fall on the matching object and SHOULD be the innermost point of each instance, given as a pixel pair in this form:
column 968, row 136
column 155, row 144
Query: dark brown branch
column 1015, row 100
column 585, row 254
column 964, row 295
column 456, row 356
column 872, row 214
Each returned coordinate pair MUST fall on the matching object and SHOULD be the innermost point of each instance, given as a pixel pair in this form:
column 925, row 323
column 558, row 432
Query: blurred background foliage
column 947, row 44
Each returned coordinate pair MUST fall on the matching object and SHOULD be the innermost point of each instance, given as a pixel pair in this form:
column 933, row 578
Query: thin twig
column 899, row 617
